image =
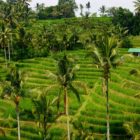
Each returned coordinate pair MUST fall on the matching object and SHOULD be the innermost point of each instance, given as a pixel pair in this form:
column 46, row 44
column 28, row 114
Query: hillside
column 90, row 114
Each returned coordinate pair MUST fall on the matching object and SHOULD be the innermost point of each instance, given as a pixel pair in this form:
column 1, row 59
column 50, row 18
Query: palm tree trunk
column 5, row 56
column 9, row 53
column 67, row 112
column 44, row 127
column 17, row 111
column 103, row 86
column 65, row 101
column 107, row 110
column 11, row 44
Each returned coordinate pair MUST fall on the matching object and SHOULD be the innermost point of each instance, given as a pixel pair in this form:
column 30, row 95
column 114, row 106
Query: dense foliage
column 64, row 9
column 126, row 19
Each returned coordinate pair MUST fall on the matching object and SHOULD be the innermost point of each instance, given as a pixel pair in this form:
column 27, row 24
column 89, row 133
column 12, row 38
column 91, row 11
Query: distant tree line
column 64, row 9
column 13, row 10
column 18, row 40
column 124, row 17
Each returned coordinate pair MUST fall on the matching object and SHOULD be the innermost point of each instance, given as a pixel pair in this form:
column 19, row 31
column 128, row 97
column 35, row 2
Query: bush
column 134, row 72
column 8, row 124
column 126, row 43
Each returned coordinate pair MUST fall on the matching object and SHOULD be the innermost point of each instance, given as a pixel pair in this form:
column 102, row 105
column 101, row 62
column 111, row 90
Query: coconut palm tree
column 81, row 10
column 87, row 13
column 22, row 6
column 15, row 91
column 43, row 109
column 5, row 36
column 137, row 6
column 15, row 79
column 65, row 77
column 105, row 55
column 88, row 6
column 102, row 10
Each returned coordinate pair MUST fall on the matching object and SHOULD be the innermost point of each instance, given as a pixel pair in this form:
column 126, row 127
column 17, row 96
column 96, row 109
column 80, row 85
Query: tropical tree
column 5, row 36
column 118, row 19
column 2, row 6
column 88, row 6
column 15, row 91
column 137, row 6
column 8, row 15
column 67, row 8
column 102, row 10
column 23, row 39
column 111, row 11
column 44, row 109
column 87, row 13
column 81, row 9
column 22, row 11
column 65, row 77
column 105, row 55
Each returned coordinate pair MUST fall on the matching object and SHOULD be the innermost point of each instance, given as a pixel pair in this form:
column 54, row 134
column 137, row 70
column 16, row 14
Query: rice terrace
column 65, row 76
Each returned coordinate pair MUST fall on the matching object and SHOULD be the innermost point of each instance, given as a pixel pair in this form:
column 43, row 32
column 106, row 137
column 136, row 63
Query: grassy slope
column 136, row 41
column 91, row 112
column 38, row 24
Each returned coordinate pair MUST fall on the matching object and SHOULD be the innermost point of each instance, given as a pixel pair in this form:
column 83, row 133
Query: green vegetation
column 46, row 65
column 90, row 113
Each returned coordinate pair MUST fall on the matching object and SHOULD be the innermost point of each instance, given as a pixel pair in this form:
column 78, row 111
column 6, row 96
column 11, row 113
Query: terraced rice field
column 90, row 113
column 135, row 41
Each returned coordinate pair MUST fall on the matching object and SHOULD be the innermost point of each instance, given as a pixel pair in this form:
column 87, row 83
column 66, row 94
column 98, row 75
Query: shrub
column 126, row 43
column 134, row 72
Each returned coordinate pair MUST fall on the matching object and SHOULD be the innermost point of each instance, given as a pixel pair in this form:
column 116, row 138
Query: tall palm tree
column 137, row 6
column 88, row 6
column 15, row 91
column 81, row 10
column 22, row 6
column 105, row 55
column 5, row 36
column 65, row 77
column 102, row 10
column 87, row 13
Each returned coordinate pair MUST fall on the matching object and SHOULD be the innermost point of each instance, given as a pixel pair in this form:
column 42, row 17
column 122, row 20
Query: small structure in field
column 135, row 51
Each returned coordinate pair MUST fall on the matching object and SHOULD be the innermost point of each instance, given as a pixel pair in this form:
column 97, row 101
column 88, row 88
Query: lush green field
column 135, row 41
column 38, row 24
column 90, row 113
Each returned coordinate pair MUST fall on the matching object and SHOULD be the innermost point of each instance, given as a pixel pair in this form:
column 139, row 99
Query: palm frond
column 75, row 91
column 51, row 75
column 137, row 6
column 129, row 129
column 94, row 52
column 81, row 85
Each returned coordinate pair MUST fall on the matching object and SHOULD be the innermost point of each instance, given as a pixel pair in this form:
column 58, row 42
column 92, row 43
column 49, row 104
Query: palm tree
column 81, row 9
column 5, row 36
column 102, row 10
column 87, row 13
column 65, row 77
column 105, row 56
column 137, row 6
column 111, row 11
column 43, row 107
column 88, row 6
column 22, row 6
column 15, row 91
